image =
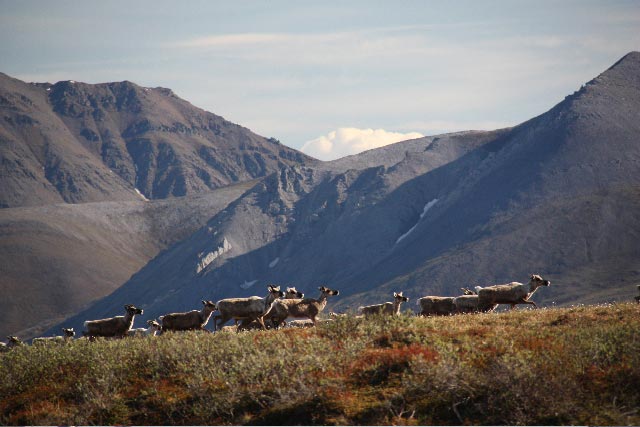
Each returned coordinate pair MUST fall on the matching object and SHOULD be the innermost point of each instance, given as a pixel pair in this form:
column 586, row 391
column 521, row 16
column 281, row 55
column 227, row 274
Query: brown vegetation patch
column 318, row 410
column 374, row 366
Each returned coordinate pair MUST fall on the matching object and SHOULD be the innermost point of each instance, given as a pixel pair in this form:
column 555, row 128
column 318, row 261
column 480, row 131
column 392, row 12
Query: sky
column 331, row 78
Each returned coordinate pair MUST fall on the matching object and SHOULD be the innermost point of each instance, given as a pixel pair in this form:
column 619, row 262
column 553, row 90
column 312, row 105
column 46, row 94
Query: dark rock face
column 75, row 142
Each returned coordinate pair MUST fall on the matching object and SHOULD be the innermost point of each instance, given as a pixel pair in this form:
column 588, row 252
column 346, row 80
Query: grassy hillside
column 578, row 365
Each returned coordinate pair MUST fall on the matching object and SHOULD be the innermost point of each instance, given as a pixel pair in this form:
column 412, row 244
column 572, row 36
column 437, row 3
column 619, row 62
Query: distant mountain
column 557, row 195
column 76, row 142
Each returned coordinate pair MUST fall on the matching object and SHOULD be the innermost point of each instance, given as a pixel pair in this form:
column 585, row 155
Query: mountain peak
column 104, row 141
column 630, row 59
column 625, row 72
column 613, row 92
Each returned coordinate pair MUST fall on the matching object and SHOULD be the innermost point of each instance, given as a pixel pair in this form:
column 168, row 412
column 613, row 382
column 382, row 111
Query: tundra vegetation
column 577, row 365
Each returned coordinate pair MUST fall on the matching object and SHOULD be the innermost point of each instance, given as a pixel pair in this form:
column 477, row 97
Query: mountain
column 557, row 195
column 78, row 164
column 75, row 142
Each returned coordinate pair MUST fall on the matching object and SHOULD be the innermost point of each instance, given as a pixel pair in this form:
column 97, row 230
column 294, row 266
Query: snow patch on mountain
column 206, row 259
column 247, row 285
column 426, row 208
column 140, row 194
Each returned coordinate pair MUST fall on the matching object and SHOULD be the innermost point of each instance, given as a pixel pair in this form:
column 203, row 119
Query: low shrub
column 577, row 365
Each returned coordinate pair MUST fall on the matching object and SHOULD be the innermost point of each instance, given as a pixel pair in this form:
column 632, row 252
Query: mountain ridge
column 77, row 142
column 553, row 195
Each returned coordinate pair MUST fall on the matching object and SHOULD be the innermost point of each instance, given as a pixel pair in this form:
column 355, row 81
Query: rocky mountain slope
column 556, row 195
column 75, row 142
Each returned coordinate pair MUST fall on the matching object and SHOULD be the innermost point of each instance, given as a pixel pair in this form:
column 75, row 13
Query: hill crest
column 76, row 142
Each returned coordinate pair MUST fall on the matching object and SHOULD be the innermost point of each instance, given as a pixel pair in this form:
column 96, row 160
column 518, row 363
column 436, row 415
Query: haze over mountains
column 558, row 195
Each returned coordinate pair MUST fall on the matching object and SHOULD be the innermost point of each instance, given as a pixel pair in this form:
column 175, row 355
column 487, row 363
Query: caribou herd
column 291, row 308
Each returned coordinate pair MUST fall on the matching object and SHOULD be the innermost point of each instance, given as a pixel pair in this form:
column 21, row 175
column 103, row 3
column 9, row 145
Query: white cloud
column 346, row 141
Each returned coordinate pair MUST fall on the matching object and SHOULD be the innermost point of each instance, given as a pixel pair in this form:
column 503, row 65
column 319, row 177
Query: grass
column 578, row 365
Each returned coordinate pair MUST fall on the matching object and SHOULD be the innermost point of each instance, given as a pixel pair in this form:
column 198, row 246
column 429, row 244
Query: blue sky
column 333, row 77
